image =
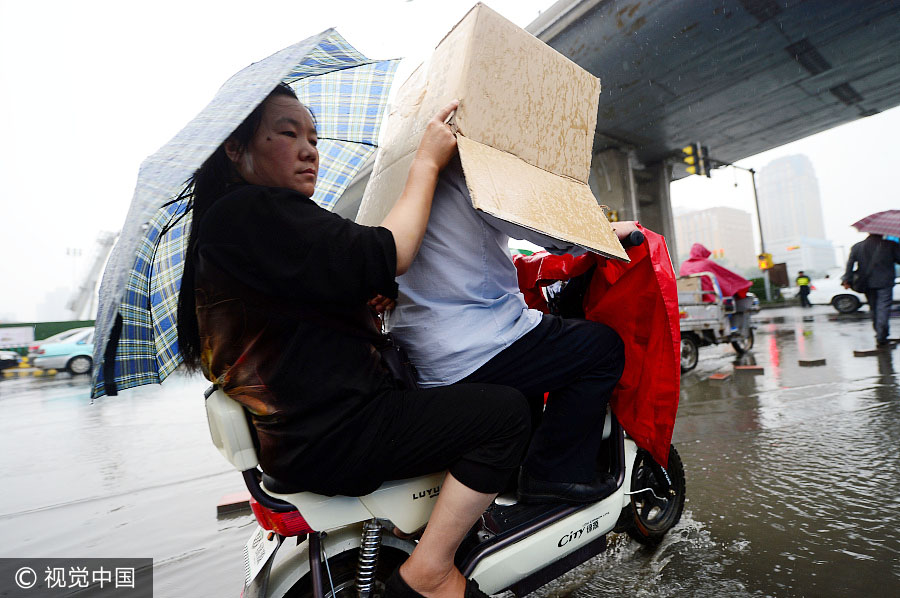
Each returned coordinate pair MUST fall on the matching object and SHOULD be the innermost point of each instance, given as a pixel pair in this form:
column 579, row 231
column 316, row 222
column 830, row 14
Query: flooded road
column 793, row 484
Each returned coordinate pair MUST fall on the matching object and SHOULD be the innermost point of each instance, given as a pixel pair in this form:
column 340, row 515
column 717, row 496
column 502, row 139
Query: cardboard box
column 689, row 291
column 525, row 127
column 687, row 284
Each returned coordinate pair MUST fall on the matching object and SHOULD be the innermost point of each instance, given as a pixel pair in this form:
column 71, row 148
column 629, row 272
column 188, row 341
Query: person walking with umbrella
column 276, row 308
column 870, row 270
column 874, row 259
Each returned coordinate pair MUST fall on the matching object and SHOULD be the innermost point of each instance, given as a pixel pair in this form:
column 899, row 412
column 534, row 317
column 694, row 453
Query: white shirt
column 459, row 302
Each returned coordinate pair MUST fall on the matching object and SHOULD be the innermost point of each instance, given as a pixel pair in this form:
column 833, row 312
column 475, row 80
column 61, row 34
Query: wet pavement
column 792, row 476
column 130, row 476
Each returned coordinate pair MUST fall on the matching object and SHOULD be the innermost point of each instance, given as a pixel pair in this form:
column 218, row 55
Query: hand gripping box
column 525, row 126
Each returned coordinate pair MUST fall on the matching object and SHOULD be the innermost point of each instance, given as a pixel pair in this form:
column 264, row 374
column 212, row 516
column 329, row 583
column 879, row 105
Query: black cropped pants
column 579, row 363
column 479, row 432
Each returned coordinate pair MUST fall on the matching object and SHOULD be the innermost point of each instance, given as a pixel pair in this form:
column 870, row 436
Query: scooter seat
column 407, row 503
column 278, row 487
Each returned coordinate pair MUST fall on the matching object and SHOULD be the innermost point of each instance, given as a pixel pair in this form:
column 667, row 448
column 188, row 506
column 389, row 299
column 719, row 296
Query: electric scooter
column 336, row 547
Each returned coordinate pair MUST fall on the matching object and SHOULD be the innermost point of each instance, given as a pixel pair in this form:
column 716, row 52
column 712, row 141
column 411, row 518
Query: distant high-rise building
column 727, row 232
column 791, row 212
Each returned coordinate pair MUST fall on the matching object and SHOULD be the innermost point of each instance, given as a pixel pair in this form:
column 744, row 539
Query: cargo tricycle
column 709, row 318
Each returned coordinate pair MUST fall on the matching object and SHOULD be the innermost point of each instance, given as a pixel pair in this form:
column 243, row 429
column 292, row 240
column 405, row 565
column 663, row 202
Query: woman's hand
column 439, row 143
column 381, row 304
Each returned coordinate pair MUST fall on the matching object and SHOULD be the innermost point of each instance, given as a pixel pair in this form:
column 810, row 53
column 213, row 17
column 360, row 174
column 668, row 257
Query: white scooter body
column 407, row 504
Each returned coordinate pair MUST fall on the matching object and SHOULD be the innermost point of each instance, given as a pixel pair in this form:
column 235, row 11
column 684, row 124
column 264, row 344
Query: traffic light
column 704, row 162
column 765, row 261
column 696, row 159
column 690, row 155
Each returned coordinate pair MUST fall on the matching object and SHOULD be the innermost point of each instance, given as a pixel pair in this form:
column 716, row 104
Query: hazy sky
column 91, row 88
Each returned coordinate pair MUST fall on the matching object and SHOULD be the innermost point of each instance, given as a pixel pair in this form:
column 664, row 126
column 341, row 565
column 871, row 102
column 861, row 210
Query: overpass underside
column 738, row 76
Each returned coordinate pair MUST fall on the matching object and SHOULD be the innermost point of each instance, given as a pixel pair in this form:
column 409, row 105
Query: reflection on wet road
column 793, row 484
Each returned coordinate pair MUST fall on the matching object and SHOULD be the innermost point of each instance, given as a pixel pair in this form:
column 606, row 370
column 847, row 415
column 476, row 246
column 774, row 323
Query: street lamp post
column 762, row 241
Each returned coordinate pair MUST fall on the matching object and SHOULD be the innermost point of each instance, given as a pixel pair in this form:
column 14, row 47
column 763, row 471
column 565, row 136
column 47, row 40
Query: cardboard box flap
column 511, row 189
column 383, row 189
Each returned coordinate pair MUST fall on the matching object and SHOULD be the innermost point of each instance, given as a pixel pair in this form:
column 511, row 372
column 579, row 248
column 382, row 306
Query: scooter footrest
column 559, row 568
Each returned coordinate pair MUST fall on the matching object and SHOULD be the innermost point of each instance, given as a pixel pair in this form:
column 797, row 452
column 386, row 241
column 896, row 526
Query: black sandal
column 473, row 591
column 396, row 587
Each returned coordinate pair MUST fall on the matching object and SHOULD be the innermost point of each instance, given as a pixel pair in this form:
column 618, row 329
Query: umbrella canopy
column 136, row 335
column 880, row 223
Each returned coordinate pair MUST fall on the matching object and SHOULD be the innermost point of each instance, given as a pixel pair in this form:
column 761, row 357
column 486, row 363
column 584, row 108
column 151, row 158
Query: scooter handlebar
column 633, row 239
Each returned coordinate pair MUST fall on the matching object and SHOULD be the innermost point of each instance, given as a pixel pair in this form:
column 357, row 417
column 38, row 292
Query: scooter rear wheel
column 653, row 512
column 745, row 344
column 343, row 575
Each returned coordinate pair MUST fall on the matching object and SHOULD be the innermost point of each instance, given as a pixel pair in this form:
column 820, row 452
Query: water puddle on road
column 688, row 562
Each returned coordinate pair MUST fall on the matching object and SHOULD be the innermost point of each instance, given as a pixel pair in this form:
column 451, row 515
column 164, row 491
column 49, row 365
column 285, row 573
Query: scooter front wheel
column 343, row 575
column 657, row 498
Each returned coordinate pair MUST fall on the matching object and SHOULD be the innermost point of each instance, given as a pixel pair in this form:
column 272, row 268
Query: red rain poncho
column 729, row 282
column 640, row 302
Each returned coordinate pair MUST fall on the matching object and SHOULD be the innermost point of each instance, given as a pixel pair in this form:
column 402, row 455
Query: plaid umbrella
column 880, row 223
column 136, row 334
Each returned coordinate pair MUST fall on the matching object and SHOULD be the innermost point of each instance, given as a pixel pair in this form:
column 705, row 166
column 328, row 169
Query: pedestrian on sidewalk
column 803, row 283
column 874, row 259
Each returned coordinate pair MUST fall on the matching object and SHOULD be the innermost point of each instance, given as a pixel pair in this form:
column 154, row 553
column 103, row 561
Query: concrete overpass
column 739, row 76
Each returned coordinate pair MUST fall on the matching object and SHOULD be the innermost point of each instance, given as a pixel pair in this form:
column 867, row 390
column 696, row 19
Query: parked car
column 34, row 348
column 73, row 353
column 9, row 359
column 828, row 291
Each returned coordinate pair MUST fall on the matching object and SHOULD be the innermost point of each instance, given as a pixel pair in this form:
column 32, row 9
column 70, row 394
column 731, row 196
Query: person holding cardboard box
column 525, row 129
column 274, row 308
column 462, row 318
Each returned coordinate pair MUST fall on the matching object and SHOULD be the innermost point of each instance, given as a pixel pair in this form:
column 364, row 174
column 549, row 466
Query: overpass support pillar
column 612, row 183
column 655, row 203
column 635, row 192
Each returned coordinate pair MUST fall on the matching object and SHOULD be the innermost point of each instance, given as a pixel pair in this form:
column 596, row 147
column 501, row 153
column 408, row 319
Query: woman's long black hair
column 210, row 182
